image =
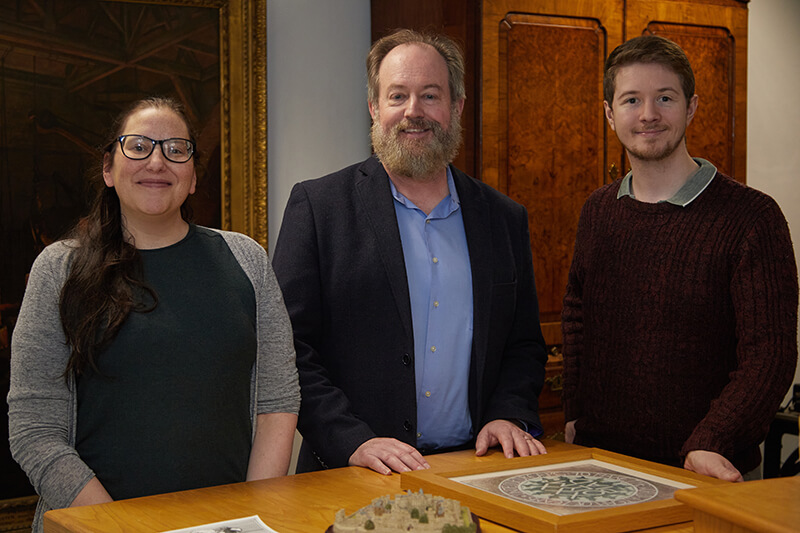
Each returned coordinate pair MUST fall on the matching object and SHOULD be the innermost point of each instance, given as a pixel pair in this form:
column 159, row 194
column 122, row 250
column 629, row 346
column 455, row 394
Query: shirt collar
column 690, row 190
column 448, row 205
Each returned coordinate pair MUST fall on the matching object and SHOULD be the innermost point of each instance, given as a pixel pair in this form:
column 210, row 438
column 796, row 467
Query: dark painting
column 67, row 67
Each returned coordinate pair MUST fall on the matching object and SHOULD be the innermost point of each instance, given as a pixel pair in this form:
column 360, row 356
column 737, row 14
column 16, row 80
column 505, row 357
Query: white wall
column 317, row 114
column 318, row 119
column 316, row 93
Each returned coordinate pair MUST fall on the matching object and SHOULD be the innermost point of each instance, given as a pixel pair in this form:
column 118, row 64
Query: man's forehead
column 416, row 57
column 643, row 74
column 412, row 46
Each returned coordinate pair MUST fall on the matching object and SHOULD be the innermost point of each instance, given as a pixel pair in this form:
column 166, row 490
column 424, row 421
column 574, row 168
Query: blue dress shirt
column 440, row 288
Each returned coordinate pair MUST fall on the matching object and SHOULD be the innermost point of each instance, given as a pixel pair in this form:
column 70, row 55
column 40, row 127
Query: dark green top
column 171, row 410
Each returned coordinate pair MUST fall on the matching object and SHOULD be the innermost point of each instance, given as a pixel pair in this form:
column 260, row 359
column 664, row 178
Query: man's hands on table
column 569, row 432
column 711, row 464
column 700, row 461
column 510, row 437
column 385, row 455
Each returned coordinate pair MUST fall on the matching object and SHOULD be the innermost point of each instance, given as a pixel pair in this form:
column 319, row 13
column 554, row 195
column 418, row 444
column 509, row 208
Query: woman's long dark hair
column 105, row 282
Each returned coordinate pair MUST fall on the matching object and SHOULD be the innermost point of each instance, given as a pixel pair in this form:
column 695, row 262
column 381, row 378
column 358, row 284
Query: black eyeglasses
column 139, row 147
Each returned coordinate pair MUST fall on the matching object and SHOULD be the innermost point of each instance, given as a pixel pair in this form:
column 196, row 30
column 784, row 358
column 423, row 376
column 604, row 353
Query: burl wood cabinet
column 534, row 123
column 534, row 126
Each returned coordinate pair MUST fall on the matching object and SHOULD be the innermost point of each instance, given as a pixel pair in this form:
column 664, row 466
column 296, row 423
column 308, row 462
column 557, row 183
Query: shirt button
column 436, row 303
column 427, row 394
column 435, row 260
column 419, row 435
column 427, row 221
column 433, row 349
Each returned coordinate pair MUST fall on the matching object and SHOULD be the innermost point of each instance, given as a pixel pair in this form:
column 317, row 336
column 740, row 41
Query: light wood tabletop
column 767, row 506
column 291, row 504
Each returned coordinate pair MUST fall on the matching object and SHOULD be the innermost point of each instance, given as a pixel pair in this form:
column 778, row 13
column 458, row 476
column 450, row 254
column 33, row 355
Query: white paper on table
column 249, row 524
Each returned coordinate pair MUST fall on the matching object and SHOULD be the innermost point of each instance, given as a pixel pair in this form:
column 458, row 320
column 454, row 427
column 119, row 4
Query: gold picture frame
column 243, row 111
column 509, row 512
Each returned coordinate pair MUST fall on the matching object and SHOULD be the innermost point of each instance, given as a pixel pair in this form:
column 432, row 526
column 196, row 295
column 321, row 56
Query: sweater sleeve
column 277, row 389
column 572, row 323
column 41, row 405
column 764, row 293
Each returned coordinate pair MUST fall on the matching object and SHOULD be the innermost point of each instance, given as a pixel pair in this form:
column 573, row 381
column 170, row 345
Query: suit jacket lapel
column 476, row 214
column 377, row 206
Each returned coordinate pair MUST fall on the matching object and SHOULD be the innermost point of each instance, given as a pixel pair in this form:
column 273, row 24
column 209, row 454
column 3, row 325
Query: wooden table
column 766, row 506
column 291, row 504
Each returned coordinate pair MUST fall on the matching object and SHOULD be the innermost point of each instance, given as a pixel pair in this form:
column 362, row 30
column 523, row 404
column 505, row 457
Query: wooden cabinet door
column 714, row 37
column 544, row 138
column 534, row 126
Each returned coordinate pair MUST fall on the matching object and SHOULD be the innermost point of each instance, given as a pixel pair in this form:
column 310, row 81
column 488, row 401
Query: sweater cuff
column 63, row 481
column 705, row 440
column 572, row 410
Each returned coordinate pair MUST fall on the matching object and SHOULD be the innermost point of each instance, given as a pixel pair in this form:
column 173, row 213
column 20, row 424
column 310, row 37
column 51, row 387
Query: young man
column 410, row 285
column 680, row 317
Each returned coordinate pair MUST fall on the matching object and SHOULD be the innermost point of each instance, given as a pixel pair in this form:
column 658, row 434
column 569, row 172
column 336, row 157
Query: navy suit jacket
column 339, row 261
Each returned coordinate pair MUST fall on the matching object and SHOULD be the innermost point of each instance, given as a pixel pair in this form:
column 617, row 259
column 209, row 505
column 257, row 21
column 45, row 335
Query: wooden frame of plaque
column 572, row 491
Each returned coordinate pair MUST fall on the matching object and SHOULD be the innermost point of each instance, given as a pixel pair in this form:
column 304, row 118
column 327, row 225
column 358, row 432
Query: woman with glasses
column 151, row 355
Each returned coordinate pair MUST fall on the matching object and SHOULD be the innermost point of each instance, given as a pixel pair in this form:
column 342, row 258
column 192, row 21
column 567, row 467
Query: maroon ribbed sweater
column 680, row 324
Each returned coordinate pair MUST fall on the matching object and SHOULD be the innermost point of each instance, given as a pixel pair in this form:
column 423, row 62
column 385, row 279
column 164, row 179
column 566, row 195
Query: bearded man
column 410, row 286
column 680, row 318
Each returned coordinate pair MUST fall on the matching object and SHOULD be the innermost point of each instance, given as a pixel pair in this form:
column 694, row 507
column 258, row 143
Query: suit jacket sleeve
column 523, row 357
column 508, row 351
column 326, row 419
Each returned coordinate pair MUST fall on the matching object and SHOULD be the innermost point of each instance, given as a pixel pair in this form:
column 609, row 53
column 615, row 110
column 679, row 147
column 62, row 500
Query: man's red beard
column 417, row 158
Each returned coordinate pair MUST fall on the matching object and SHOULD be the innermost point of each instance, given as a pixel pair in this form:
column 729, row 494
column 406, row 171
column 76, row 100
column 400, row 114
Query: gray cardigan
column 43, row 406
